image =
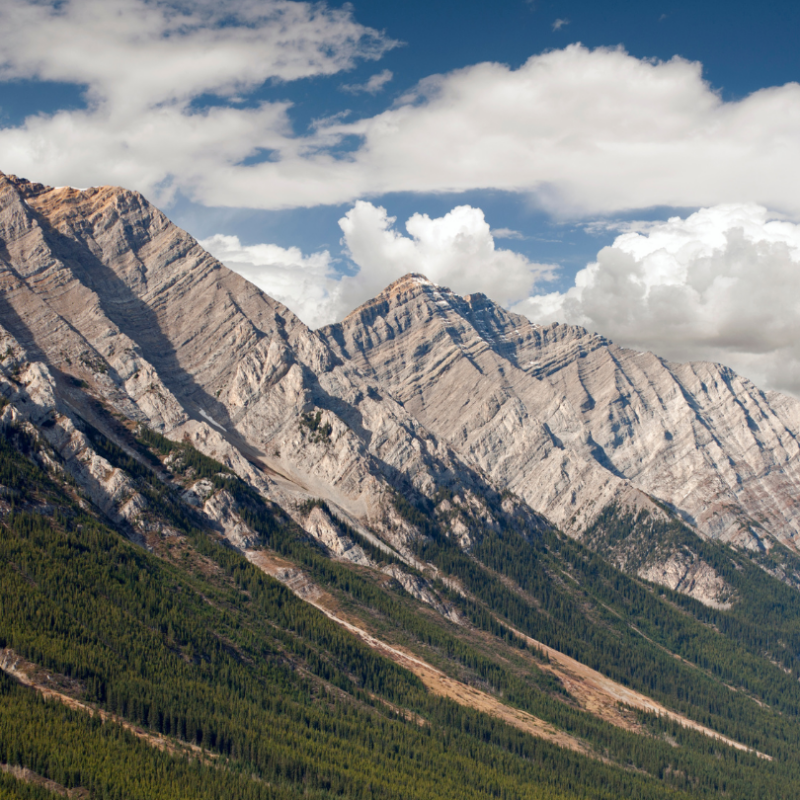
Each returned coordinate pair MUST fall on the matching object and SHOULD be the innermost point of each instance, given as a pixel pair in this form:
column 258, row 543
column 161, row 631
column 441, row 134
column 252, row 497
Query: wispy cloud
column 604, row 226
column 374, row 85
column 559, row 24
column 146, row 52
column 143, row 62
column 507, row 233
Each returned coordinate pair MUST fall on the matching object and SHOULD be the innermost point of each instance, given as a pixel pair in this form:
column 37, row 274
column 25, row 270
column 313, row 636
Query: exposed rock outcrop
column 115, row 301
column 686, row 573
column 419, row 392
column 571, row 422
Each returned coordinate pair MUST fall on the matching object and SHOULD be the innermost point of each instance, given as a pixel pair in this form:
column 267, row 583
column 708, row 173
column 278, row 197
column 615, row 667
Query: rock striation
column 106, row 303
column 572, row 422
column 480, row 413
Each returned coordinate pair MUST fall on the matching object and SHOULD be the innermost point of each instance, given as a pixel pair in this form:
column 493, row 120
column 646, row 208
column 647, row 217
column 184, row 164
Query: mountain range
column 245, row 557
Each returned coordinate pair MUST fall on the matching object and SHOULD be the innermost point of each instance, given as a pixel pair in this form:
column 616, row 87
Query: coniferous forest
column 183, row 670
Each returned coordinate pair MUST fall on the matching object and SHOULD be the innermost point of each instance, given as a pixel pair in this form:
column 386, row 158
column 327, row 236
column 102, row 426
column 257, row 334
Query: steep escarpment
column 452, row 363
column 419, row 390
column 243, row 557
column 181, row 668
column 101, row 288
column 571, row 422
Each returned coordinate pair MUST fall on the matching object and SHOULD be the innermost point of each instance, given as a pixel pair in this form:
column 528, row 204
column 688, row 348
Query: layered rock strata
column 418, row 392
column 572, row 422
column 120, row 304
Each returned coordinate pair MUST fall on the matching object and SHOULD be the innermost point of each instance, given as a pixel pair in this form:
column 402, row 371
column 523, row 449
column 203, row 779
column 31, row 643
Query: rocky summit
column 111, row 301
column 580, row 543
column 572, row 422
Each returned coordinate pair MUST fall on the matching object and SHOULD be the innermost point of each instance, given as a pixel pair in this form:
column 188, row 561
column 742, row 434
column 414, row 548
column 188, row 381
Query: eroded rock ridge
column 482, row 414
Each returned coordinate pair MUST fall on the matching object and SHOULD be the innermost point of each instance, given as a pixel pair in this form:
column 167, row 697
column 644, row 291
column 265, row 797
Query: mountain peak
column 415, row 286
column 28, row 189
column 409, row 280
column 403, row 289
column 560, row 415
column 114, row 322
column 570, row 421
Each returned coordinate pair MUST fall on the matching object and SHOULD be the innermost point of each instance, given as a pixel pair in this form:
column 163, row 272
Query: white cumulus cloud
column 722, row 284
column 303, row 283
column 456, row 250
column 144, row 62
column 579, row 131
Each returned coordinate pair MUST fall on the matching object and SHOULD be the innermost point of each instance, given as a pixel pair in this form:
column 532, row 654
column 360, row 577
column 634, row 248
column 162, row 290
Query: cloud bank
column 144, row 64
column 579, row 132
column 456, row 250
column 721, row 285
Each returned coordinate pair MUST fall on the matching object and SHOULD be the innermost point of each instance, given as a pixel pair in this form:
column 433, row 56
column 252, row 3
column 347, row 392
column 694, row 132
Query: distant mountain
column 517, row 561
column 574, row 424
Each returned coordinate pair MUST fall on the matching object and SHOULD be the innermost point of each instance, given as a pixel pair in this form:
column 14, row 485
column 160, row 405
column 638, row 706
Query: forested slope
column 180, row 669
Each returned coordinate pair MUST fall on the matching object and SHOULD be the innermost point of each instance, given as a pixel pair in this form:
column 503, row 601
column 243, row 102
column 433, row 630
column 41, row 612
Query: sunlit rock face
column 571, row 422
column 419, row 392
column 115, row 302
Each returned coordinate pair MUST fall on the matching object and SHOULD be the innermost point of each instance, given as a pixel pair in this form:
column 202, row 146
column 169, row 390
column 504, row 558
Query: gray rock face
column 104, row 300
column 686, row 573
column 34, row 405
column 571, row 422
column 324, row 529
column 221, row 508
column 102, row 291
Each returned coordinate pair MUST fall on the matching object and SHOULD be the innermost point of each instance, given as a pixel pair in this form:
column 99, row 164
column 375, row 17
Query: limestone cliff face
column 571, row 422
column 104, row 302
column 106, row 293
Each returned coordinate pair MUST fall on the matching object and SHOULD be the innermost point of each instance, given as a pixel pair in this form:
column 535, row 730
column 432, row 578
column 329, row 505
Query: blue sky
column 626, row 166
